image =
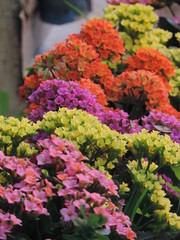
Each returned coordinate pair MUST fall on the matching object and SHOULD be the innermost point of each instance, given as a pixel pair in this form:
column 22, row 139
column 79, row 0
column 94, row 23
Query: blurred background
column 31, row 27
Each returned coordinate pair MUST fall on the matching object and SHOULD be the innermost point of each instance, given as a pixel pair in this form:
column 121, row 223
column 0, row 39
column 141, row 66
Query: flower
column 68, row 213
column 104, row 38
column 143, row 60
column 164, row 123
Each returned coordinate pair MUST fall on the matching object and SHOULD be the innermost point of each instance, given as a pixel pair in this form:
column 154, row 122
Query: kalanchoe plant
column 55, row 94
column 46, row 192
column 104, row 38
column 95, row 140
column 164, row 123
column 140, row 91
column 71, row 60
column 143, row 60
column 14, row 134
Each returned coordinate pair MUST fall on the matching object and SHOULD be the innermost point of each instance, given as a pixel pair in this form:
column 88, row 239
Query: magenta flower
column 69, row 213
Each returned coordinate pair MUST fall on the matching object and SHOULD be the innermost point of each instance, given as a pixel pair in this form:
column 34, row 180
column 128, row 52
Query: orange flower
column 103, row 37
column 94, row 89
column 151, row 60
column 143, row 88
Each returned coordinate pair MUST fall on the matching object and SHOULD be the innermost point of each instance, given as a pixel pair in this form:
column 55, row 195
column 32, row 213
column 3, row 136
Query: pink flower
column 80, row 202
column 15, row 220
column 68, row 213
column 12, row 197
column 44, row 158
column 30, row 206
column 2, row 233
column 84, row 179
column 70, row 183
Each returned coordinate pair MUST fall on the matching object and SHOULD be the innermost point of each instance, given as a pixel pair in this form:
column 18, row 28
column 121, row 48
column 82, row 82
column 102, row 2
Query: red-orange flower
column 103, row 37
column 151, row 60
column 143, row 88
column 94, row 89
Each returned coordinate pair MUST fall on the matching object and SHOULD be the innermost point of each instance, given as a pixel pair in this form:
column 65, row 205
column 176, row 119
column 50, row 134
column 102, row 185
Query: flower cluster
column 164, row 123
column 155, row 39
column 159, row 205
column 55, row 94
column 153, row 146
column 104, row 38
column 58, row 171
column 12, row 134
column 154, row 3
column 175, row 83
column 95, row 140
column 143, row 89
column 143, row 60
column 132, row 19
column 71, row 60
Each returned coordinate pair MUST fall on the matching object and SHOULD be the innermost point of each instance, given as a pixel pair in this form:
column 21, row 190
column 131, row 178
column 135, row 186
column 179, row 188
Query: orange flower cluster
column 71, row 60
column 104, row 38
column 151, row 60
column 143, row 88
column 94, row 89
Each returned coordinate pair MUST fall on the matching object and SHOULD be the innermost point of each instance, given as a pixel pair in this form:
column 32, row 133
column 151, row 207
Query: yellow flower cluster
column 160, row 205
column 132, row 19
column 95, row 140
column 14, row 131
column 157, row 148
column 175, row 83
column 155, row 39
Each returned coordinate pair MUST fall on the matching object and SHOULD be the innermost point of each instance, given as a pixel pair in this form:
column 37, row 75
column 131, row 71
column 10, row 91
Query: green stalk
column 137, row 205
column 76, row 9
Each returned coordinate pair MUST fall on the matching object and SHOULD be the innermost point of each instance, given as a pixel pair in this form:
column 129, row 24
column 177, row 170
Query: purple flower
column 164, row 123
column 54, row 94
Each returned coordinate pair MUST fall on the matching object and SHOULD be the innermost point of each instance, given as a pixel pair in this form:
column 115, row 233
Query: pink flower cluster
column 7, row 221
column 28, row 189
column 116, row 2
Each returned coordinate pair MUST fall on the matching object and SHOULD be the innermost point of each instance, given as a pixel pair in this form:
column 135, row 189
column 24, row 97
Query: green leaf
column 96, row 221
column 137, row 205
column 176, row 170
column 4, row 103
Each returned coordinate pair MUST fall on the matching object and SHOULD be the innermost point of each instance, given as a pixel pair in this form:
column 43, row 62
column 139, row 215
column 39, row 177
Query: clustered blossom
column 31, row 189
column 164, row 123
column 151, row 60
column 160, row 149
column 71, row 60
column 160, row 204
column 55, row 94
column 154, row 3
column 104, row 38
column 95, row 140
column 7, row 221
column 145, row 88
column 132, row 19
